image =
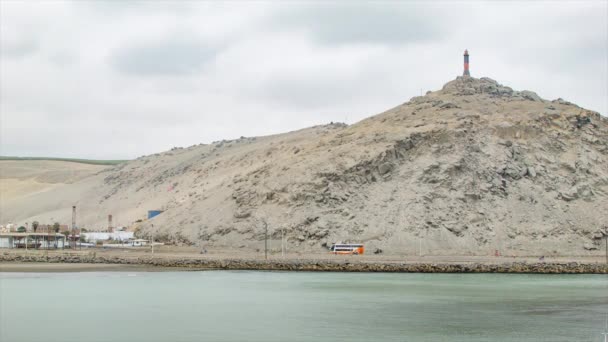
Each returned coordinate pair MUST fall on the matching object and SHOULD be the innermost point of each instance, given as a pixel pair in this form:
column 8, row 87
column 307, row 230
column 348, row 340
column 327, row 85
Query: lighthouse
column 466, row 63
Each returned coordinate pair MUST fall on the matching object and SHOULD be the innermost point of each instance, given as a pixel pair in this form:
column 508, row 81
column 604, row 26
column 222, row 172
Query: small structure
column 138, row 242
column 466, row 64
column 152, row 213
column 128, row 244
column 32, row 240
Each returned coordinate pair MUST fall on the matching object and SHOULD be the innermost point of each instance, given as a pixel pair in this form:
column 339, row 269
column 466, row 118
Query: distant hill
column 21, row 178
column 72, row 160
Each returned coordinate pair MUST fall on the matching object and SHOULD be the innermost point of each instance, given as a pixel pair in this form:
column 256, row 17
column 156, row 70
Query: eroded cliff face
column 471, row 168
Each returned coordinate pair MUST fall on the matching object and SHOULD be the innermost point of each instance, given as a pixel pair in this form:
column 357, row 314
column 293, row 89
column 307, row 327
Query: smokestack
column 110, row 223
column 466, row 63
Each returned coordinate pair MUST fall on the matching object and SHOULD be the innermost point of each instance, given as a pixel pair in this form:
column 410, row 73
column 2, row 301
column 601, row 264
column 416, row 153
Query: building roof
column 17, row 234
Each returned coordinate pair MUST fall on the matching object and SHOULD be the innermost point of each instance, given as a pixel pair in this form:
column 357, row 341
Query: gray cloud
column 320, row 89
column 142, row 77
column 305, row 93
column 365, row 22
column 133, row 7
column 19, row 48
column 167, row 57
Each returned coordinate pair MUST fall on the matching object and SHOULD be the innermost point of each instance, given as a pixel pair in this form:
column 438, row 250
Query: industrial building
column 32, row 240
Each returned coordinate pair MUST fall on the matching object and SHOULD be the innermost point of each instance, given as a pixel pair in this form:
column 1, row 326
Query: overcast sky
column 112, row 79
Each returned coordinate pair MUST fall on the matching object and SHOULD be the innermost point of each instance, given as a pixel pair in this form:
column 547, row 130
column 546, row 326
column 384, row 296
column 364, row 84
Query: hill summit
column 468, row 169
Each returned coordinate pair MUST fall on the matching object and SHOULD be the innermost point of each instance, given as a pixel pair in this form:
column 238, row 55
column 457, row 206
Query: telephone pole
column 265, row 240
column 74, row 225
column 152, row 239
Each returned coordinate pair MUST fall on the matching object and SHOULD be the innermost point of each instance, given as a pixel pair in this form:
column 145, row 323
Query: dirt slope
column 23, row 178
column 471, row 168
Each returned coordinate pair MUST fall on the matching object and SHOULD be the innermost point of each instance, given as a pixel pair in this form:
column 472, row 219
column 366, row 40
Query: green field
column 73, row 160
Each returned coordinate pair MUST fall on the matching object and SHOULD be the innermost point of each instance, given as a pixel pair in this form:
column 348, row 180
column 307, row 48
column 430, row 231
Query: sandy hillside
column 470, row 168
column 21, row 179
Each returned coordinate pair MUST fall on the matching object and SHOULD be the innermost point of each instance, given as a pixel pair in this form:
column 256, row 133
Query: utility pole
column 152, row 239
column 265, row 240
column 420, row 244
column 606, row 238
column 74, row 225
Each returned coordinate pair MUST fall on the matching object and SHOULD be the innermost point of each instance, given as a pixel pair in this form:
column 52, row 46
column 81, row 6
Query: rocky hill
column 468, row 169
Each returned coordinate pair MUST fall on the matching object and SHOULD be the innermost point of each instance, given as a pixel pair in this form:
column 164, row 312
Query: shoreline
column 45, row 267
column 91, row 262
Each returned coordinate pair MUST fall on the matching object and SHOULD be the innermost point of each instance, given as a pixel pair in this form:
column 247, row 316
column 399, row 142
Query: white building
column 32, row 240
column 138, row 242
column 104, row 236
column 131, row 243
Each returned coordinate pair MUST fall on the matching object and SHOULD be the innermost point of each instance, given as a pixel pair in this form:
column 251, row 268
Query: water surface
column 284, row 306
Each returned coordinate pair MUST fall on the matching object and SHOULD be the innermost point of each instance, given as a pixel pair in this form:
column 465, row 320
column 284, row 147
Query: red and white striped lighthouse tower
column 466, row 63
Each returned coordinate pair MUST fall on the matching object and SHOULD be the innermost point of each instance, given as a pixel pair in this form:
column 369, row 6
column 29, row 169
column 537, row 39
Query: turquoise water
column 283, row 306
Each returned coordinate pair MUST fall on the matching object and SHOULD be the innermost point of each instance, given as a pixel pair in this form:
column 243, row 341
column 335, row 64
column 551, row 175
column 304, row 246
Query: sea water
column 293, row 306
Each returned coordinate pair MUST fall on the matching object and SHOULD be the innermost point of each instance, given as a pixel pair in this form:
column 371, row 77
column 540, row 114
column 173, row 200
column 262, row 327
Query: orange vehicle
column 347, row 248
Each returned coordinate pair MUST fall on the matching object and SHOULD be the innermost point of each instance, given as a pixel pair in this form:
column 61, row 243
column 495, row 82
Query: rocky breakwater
column 312, row 265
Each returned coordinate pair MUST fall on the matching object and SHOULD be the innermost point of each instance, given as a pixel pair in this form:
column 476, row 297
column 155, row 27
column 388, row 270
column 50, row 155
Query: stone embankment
column 312, row 265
